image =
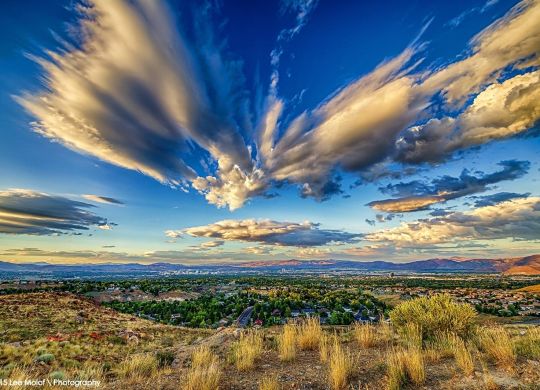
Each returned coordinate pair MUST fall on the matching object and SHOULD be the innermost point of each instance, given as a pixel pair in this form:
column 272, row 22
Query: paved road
column 243, row 319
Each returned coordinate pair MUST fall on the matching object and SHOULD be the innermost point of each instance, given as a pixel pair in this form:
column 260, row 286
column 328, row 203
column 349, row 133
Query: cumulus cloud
column 267, row 232
column 29, row 212
column 137, row 93
column 417, row 195
column 502, row 110
column 102, row 199
column 518, row 219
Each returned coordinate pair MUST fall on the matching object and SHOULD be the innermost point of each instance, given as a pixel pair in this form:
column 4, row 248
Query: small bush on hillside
column 438, row 313
column 45, row 358
column 165, row 358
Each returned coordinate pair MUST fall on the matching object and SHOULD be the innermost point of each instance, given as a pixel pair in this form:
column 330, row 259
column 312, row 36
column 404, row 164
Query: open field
column 60, row 335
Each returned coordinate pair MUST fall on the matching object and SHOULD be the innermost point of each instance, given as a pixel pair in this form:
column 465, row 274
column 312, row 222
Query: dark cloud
column 31, row 212
column 418, row 195
column 267, row 232
column 490, row 200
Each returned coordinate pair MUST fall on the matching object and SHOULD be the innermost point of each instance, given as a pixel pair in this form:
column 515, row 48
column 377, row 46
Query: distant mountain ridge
column 527, row 265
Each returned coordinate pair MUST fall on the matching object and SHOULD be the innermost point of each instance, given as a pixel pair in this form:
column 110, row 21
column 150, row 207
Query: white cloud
column 518, row 219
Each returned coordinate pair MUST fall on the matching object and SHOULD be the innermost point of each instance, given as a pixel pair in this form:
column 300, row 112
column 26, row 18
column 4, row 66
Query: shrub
column 165, row 358
column 340, row 366
column 287, row 343
column 58, row 375
column 247, row 349
column 364, row 335
column 269, row 383
column 438, row 313
column 45, row 358
column 205, row 371
column 309, row 334
column 138, row 366
column 496, row 342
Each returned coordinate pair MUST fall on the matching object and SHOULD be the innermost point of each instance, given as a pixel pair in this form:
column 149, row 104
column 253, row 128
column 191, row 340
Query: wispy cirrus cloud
column 417, row 195
column 136, row 72
column 30, row 212
column 102, row 199
column 267, row 232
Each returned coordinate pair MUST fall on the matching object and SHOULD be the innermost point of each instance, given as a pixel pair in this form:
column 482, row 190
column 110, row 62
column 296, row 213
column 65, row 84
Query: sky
column 202, row 132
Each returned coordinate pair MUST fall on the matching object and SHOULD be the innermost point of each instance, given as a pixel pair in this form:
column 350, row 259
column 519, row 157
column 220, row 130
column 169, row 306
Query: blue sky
column 233, row 131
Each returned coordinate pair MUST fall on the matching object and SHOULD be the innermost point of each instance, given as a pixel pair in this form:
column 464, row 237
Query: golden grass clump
column 205, row 371
column 247, row 349
column 340, row 366
column 309, row 334
column 462, row 354
column 411, row 334
column 138, row 366
column 324, row 348
column 437, row 313
column 403, row 366
column 385, row 333
column 528, row 345
column 365, row 335
column 269, row 383
column 287, row 343
column 498, row 345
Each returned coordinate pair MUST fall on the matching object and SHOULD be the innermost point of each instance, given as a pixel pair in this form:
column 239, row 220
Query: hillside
column 53, row 335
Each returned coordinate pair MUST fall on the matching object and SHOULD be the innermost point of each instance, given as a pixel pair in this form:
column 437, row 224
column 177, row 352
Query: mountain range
column 527, row 265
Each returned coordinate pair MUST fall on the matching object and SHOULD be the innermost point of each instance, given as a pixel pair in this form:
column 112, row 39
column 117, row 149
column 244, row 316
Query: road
column 243, row 319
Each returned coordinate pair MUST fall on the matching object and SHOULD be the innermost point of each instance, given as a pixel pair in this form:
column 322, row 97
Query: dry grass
column 340, row 366
column 411, row 334
column 309, row 334
column 365, row 335
column 205, row 371
column 140, row 366
column 437, row 313
column 287, row 343
column 462, row 355
column 405, row 365
column 269, row 383
column 324, row 348
column 247, row 349
column 498, row 345
column 528, row 345
column 385, row 333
